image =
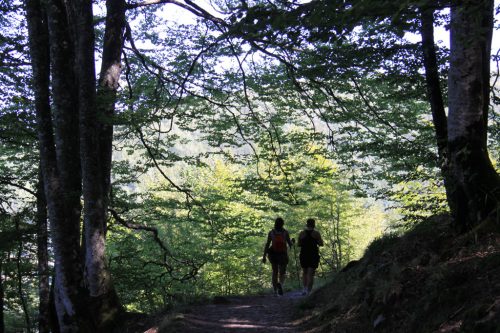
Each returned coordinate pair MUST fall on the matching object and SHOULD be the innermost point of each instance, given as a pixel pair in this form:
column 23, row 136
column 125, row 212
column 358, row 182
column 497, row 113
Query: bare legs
column 275, row 275
column 278, row 271
column 308, row 278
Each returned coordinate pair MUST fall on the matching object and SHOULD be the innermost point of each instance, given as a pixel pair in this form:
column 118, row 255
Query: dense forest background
column 147, row 147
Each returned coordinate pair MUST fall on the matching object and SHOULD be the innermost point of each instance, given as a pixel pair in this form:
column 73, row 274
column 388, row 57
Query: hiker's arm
column 266, row 247
column 288, row 240
column 319, row 239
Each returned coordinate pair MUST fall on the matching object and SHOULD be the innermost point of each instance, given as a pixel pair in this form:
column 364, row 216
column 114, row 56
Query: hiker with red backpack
column 309, row 242
column 277, row 252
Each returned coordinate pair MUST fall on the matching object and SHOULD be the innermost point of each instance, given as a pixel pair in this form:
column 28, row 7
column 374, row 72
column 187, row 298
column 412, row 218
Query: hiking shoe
column 280, row 289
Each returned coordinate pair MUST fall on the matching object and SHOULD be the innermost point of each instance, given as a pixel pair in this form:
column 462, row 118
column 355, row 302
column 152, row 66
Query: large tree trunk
column 59, row 154
column 96, row 135
column 80, row 134
column 63, row 179
column 43, row 260
column 476, row 184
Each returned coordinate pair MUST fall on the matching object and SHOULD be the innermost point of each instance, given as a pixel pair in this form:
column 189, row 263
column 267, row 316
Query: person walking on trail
column 277, row 252
column 309, row 242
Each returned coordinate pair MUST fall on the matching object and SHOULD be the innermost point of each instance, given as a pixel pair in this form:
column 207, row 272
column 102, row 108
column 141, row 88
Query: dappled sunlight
column 241, row 314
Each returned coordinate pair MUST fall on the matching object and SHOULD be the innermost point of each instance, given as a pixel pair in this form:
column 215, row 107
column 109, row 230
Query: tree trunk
column 435, row 96
column 43, row 261
column 54, row 323
column 96, row 273
column 432, row 80
column 49, row 41
column 2, row 320
column 96, row 137
column 335, row 255
column 20, row 290
column 109, row 83
column 79, row 132
column 476, row 188
column 339, row 240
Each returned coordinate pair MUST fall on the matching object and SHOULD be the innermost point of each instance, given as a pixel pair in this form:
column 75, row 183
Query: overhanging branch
column 187, row 5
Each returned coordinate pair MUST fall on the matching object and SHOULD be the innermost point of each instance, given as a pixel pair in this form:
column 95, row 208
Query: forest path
column 243, row 314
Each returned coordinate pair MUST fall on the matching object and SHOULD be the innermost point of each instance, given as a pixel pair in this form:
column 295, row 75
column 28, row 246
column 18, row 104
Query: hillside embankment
column 429, row 280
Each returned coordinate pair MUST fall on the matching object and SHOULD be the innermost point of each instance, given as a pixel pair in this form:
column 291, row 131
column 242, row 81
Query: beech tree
column 75, row 137
column 476, row 184
column 74, row 114
column 472, row 184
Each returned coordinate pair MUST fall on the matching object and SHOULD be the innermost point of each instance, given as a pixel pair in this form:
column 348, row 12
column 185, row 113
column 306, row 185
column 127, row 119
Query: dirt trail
column 240, row 315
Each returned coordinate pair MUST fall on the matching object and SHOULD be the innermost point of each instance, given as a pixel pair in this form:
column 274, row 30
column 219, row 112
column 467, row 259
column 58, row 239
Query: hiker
column 276, row 249
column 309, row 242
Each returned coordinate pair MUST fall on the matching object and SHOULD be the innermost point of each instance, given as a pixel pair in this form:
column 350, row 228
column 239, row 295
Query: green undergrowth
column 430, row 279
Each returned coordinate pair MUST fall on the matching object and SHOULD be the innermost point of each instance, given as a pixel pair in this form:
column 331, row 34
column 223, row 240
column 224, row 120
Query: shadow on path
column 240, row 314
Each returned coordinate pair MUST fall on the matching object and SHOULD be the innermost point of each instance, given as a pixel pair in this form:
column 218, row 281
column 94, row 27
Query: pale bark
column 59, row 153
column 63, row 189
column 476, row 184
column 77, row 131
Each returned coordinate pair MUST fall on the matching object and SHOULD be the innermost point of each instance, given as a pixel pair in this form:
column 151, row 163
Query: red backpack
column 278, row 244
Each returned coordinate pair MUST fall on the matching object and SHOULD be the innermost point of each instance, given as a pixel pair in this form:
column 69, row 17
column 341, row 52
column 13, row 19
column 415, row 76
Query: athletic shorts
column 309, row 260
column 280, row 259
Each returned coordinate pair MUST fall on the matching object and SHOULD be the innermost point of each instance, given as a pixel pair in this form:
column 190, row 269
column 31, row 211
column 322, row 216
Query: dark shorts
column 309, row 260
column 280, row 259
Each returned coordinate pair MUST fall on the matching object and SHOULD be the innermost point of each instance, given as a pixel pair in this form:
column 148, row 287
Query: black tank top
column 309, row 245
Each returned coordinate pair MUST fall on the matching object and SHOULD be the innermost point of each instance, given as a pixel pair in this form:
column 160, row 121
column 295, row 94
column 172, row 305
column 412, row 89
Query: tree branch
column 188, row 5
column 166, row 252
column 7, row 181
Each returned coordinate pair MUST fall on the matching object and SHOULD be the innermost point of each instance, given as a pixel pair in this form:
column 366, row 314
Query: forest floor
column 263, row 313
